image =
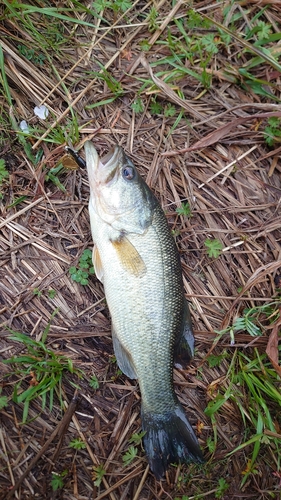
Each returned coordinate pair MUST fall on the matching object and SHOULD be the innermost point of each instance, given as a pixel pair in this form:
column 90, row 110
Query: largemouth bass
column 136, row 259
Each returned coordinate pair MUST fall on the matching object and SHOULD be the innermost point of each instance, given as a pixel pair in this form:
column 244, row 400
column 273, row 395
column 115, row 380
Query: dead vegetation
column 231, row 179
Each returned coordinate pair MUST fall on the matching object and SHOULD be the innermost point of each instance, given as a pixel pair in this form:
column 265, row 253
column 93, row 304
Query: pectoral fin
column 184, row 346
column 129, row 257
column 123, row 357
column 97, row 264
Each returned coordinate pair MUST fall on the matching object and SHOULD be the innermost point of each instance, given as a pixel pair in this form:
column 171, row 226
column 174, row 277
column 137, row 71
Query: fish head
column 118, row 194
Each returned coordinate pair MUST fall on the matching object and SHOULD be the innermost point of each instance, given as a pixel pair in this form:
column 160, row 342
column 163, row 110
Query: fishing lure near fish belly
column 136, row 259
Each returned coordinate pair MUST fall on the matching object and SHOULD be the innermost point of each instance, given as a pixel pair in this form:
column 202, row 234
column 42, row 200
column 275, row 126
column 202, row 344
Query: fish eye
column 128, row 173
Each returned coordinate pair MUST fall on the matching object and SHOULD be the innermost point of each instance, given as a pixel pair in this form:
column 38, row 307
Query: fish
column 136, row 259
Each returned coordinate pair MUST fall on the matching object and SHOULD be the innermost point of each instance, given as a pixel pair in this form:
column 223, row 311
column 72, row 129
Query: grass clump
column 42, row 368
column 253, row 386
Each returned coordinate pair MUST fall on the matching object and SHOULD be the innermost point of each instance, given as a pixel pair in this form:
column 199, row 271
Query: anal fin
column 123, row 357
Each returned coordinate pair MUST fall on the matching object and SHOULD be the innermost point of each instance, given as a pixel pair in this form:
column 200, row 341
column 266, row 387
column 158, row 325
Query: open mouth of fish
column 111, row 157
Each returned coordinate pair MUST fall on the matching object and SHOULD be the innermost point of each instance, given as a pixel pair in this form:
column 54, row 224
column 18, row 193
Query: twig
column 227, row 166
column 141, row 483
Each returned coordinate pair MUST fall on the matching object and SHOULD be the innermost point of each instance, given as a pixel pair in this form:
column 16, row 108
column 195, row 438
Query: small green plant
column 184, row 209
column 262, row 30
column 77, row 444
column 57, row 480
column 247, row 323
column 37, row 292
column 130, row 455
column 250, row 321
column 170, row 110
column 85, row 267
column 94, row 382
column 117, row 6
column 155, row 107
column 32, row 55
column 137, row 438
column 214, row 247
column 209, row 44
column 211, row 444
column 137, row 105
column 112, row 83
column 222, row 488
column 52, row 176
column 97, row 474
column 52, row 293
column 195, row 20
column 120, row 5
column 272, row 131
column 152, row 17
column 42, row 368
column 215, row 360
column 113, row 360
column 175, row 233
column 144, row 45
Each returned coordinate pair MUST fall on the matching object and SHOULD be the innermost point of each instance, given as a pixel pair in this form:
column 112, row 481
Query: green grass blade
column 4, row 78
column 48, row 11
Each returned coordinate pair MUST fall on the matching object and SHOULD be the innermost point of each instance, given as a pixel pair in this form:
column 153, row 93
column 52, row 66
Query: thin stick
column 227, row 166
column 141, row 483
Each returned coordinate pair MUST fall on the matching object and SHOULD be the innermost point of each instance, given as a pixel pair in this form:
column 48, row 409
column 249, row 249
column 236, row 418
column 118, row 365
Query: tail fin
column 169, row 438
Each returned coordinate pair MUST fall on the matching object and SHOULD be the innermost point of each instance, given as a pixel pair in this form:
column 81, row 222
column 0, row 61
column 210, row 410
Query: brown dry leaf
column 221, row 132
column 272, row 348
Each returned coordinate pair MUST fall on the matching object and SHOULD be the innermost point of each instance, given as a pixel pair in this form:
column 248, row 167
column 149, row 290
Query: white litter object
column 24, row 127
column 41, row 111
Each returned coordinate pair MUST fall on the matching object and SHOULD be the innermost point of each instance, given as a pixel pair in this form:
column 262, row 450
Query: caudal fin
column 169, row 438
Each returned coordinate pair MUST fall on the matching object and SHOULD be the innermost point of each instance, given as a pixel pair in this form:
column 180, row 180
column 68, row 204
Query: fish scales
column 156, row 298
column 135, row 257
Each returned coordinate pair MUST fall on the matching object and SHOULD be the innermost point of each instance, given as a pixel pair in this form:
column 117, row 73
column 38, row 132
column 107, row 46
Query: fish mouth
column 110, row 158
column 108, row 166
column 102, row 170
